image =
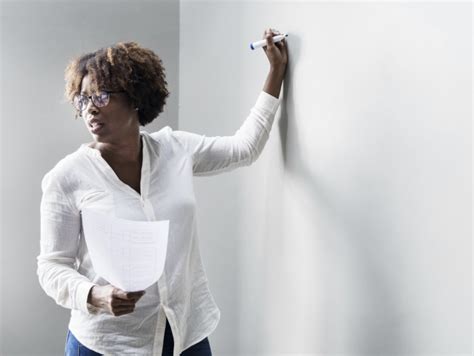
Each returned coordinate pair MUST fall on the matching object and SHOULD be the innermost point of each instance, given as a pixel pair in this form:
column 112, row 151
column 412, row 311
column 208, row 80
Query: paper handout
column 128, row 254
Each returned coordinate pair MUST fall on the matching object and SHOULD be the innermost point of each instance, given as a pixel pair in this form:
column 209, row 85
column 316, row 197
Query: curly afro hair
column 124, row 66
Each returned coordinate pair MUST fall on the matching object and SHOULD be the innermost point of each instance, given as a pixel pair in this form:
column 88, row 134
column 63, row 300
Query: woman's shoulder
column 65, row 167
column 173, row 140
column 160, row 135
column 163, row 140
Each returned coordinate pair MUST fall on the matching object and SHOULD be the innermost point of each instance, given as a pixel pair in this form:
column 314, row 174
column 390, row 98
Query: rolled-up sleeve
column 60, row 229
column 217, row 154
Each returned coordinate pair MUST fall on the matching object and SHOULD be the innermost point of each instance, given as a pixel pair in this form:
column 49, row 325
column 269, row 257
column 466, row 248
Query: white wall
column 350, row 235
column 38, row 38
column 352, row 232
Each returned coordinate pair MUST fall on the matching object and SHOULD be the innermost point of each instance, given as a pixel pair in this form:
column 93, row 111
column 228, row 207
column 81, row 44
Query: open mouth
column 95, row 127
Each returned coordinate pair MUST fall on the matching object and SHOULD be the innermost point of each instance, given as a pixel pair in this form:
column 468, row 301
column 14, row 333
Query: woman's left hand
column 277, row 52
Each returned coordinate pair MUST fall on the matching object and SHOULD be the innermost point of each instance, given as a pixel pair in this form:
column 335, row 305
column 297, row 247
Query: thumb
column 120, row 294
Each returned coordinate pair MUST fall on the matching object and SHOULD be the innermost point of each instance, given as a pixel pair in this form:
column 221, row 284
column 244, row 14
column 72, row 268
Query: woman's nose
column 90, row 107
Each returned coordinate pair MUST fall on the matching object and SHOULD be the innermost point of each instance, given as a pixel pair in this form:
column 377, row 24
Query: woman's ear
column 134, row 105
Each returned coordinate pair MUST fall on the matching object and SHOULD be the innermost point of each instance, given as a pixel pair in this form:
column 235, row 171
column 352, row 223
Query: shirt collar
column 94, row 152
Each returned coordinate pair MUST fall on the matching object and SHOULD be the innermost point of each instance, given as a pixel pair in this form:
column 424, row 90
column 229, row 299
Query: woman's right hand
column 113, row 300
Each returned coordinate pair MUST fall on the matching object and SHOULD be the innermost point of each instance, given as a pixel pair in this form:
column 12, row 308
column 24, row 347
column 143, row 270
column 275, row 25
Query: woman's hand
column 277, row 52
column 113, row 300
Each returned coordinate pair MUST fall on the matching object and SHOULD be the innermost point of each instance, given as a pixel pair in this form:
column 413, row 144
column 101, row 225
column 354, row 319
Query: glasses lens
column 101, row 99
column 80, row 102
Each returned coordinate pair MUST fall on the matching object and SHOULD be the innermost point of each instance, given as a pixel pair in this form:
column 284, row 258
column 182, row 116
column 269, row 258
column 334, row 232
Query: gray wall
column 351, row 234
column 38, row 129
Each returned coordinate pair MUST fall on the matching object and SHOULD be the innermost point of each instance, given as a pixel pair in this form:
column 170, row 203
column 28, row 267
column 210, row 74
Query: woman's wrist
column 90, row 297
column 278, row 71
column 274, row 80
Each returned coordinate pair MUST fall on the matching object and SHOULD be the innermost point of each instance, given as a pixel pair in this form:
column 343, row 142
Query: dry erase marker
column 262, row 43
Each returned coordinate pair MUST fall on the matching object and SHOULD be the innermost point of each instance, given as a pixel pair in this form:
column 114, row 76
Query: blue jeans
column 202, row 348
column 75, row 348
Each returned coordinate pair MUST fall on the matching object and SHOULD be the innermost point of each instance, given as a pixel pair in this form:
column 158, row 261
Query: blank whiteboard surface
column 351, row 234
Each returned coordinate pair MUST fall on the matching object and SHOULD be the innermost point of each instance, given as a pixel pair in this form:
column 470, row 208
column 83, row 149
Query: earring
column 136, row 109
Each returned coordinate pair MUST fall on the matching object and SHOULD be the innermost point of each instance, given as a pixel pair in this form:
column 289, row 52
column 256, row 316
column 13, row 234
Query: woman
column 135, row 175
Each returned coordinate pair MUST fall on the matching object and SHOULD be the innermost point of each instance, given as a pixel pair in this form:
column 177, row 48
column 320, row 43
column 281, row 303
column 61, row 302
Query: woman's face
column 111, row 122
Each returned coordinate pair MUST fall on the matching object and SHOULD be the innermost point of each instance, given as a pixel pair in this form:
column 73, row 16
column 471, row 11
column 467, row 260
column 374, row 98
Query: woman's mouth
column 96, row 127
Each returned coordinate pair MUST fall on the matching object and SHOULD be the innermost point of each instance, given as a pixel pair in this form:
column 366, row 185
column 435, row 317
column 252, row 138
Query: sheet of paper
column 128, row 254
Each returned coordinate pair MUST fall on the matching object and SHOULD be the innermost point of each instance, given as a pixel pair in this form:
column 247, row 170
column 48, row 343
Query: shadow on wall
column 357, row 233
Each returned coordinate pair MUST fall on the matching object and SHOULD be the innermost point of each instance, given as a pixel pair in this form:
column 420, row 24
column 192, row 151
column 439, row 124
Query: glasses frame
column 93, row 98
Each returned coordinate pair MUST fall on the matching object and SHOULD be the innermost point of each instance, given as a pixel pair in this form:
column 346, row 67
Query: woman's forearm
column 273, row 82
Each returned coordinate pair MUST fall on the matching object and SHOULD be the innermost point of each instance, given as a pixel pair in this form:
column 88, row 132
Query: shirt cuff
column 267, row 102
column 82, row 292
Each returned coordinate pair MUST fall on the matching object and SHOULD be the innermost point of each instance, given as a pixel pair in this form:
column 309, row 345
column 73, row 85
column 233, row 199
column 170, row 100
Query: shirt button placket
column 146, row 209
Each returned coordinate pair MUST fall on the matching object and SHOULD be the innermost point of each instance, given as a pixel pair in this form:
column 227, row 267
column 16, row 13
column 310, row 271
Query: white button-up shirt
column 84, row 179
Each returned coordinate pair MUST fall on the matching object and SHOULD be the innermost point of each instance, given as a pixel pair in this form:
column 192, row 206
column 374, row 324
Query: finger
column 123, row 308
column 135, row 299
column 269, row 39
column 267, row 32
column 115, row 303
column 137, row 294
column 119, row 293
column 127, row 300
column 129, row 295
column 122, row 311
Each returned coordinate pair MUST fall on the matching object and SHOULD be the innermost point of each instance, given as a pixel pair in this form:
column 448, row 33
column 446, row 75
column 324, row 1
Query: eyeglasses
column 100, row 99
